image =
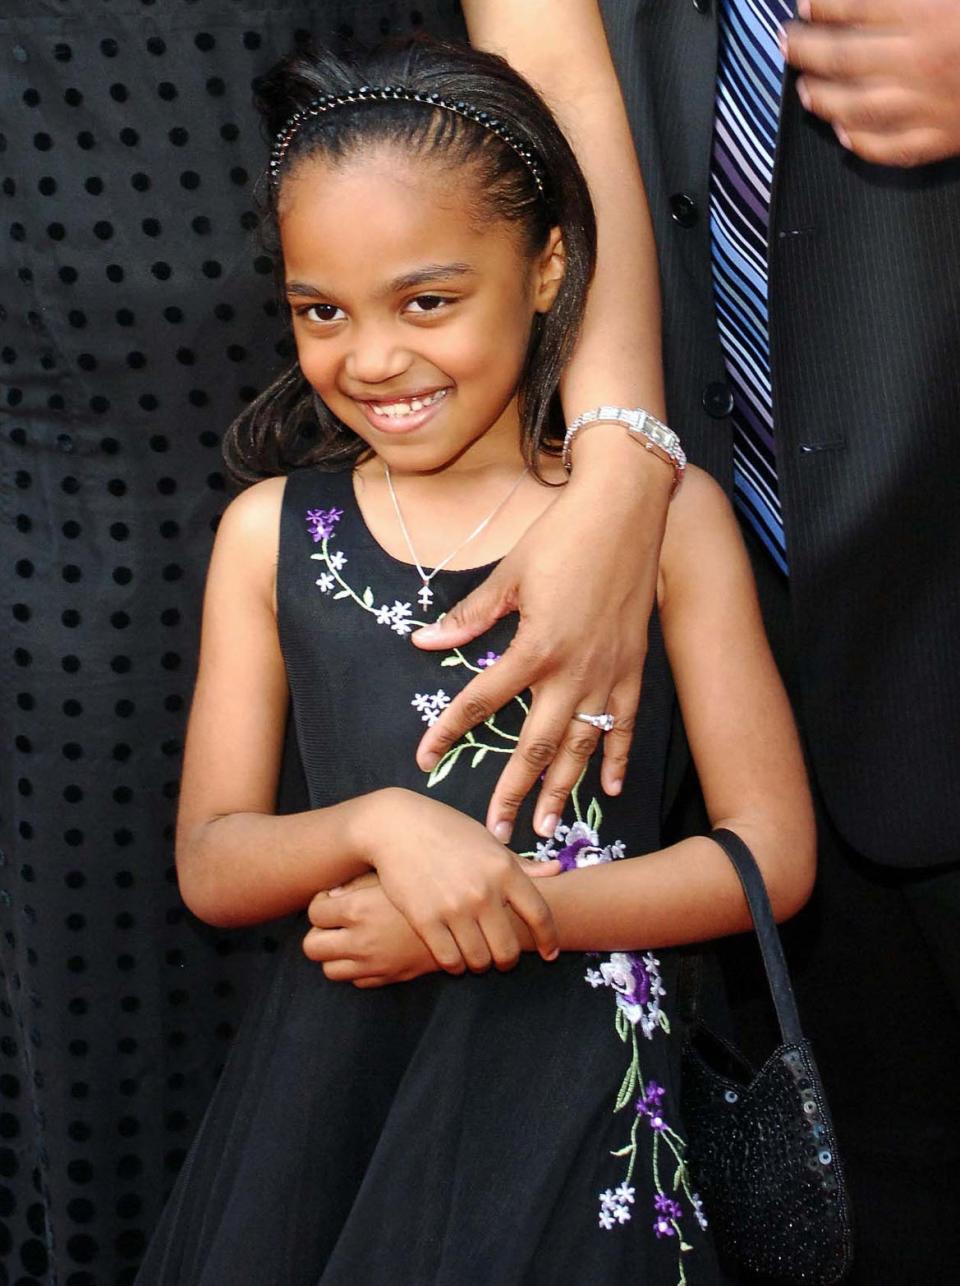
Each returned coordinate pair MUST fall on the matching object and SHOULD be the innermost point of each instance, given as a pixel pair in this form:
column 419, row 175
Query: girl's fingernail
column 503, row 831
column 842, row 136
column 549, row 825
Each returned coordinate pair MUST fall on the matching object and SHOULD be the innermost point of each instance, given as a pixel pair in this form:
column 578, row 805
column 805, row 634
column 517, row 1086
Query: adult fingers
column 473, row 615
column 376, row 980
column 906, row 148
column 871, row 108
column 578, row 743
column 623, row 703
column 845, row 53
column 533, row 910
column 853, row 13
column 483, row 696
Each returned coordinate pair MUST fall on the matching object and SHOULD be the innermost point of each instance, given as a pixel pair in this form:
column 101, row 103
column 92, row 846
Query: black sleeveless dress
column 516, row 1129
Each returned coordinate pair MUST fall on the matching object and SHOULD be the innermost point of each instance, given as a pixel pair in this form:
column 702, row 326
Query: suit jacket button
column 701, row 6
column 718, row 399
column 683, row 210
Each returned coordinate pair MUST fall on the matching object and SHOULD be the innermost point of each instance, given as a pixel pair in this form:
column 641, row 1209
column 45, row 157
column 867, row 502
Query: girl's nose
column 376, row 357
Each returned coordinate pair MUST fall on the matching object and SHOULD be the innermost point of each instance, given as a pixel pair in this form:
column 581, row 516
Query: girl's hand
column 583, row 579
column 359, row 936
column 454, row 883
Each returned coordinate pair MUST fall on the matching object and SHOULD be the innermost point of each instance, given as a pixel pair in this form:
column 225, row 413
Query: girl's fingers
column 529, row 905
column 539, row 870
column 472, row 944
column 578, row 745
column 501, row 938
column 442, row 946
column 369, row 983
column 326, row 944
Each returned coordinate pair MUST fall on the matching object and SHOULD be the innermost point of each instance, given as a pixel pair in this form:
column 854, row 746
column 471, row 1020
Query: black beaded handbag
column 761, row 1144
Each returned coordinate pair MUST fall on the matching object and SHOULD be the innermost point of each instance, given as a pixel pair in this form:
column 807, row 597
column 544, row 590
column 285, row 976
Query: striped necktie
column 749, row 83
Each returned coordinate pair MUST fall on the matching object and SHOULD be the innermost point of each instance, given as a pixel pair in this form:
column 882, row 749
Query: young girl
column 507, row 1126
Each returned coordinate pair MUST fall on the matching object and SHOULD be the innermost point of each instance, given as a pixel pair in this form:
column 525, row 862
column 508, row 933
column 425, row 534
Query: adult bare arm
column 884, row 73
column 583, row 577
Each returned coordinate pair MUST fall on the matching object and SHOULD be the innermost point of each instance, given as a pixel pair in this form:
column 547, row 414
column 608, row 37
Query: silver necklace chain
column 426, row 593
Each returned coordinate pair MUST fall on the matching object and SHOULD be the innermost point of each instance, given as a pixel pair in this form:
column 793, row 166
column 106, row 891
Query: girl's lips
column 400, row 424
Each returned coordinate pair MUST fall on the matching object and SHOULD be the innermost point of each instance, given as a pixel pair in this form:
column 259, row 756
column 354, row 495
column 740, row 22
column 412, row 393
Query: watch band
column 652, row 434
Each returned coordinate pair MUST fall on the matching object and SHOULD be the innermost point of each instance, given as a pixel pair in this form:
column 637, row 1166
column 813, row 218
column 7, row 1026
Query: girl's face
column 412, row 317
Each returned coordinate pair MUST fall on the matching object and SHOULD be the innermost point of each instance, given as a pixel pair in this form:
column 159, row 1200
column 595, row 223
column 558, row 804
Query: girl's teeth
column 394, row 409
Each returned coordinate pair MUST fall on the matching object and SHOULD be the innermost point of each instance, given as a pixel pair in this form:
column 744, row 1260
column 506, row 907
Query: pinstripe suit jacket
column 865, row 349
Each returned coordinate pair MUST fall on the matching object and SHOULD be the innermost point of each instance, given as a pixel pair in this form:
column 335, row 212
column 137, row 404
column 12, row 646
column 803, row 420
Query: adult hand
column 454, row 883
column 884, row 73
column 359, row 936
column 583, row 579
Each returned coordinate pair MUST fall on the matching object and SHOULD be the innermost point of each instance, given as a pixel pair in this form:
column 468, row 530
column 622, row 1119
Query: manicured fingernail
column 553, row 954
column 615, row 787
column 503, row 831
column 429, row 762
column 335, row 891
column 428, row 633
column 843, row 138
column 803, row 93
column 803, row 10
column 782, row 41
column 549, row 825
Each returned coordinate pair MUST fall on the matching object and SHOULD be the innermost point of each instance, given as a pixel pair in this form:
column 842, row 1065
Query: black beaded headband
column 399, row 93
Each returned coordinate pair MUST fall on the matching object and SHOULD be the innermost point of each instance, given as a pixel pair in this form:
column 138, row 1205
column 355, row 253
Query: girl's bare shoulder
column 248, row 535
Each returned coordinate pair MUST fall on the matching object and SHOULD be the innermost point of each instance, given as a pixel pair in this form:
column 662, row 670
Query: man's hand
column 583, row 579
column 884, row 73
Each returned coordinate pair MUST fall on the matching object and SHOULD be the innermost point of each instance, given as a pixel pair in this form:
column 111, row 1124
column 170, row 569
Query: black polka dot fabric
column 137, row 317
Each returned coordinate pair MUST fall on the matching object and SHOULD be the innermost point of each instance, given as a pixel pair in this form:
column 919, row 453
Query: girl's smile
column 403, row 413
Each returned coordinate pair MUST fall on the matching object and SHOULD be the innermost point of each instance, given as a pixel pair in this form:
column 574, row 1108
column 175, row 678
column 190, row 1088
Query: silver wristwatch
column 652, row 434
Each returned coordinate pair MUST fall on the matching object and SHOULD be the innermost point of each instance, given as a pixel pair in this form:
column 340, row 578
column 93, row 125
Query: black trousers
column 875, row 961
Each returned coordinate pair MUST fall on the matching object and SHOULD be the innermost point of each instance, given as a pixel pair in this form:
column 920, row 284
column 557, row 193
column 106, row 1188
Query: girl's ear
column 550, row 267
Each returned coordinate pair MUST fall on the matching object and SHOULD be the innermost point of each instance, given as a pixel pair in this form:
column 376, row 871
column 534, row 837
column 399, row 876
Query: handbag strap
column 771, row 948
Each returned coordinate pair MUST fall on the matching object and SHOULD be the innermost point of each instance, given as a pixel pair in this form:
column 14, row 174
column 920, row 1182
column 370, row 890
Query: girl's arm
column 239, row 864
column 598, row 545
column 747, row 754
column 236, row 862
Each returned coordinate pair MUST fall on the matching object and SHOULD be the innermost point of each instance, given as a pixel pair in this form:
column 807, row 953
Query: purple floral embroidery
column 321, row 522
column 489, row 658
column 668, row 1212
column 567, row 856
column 648, row 1105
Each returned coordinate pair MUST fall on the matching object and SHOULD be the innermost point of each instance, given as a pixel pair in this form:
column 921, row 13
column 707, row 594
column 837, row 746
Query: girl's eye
column 428, row 303
column 323, row 313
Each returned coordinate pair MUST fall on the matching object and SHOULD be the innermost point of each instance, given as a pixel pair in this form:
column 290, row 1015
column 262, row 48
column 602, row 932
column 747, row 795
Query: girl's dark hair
column 286, row 427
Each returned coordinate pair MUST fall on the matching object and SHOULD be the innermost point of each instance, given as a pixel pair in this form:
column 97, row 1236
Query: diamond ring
column 604, row 722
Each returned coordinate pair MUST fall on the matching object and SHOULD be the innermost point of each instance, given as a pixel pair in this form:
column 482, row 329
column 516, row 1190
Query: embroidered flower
column 489, row 658
column 430, row 706
column 615, row 1206
column 321, row 522
column 337, row 560
column 395, row 617
column 697, row 1202
column 326, row 582
column 668, row 1213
